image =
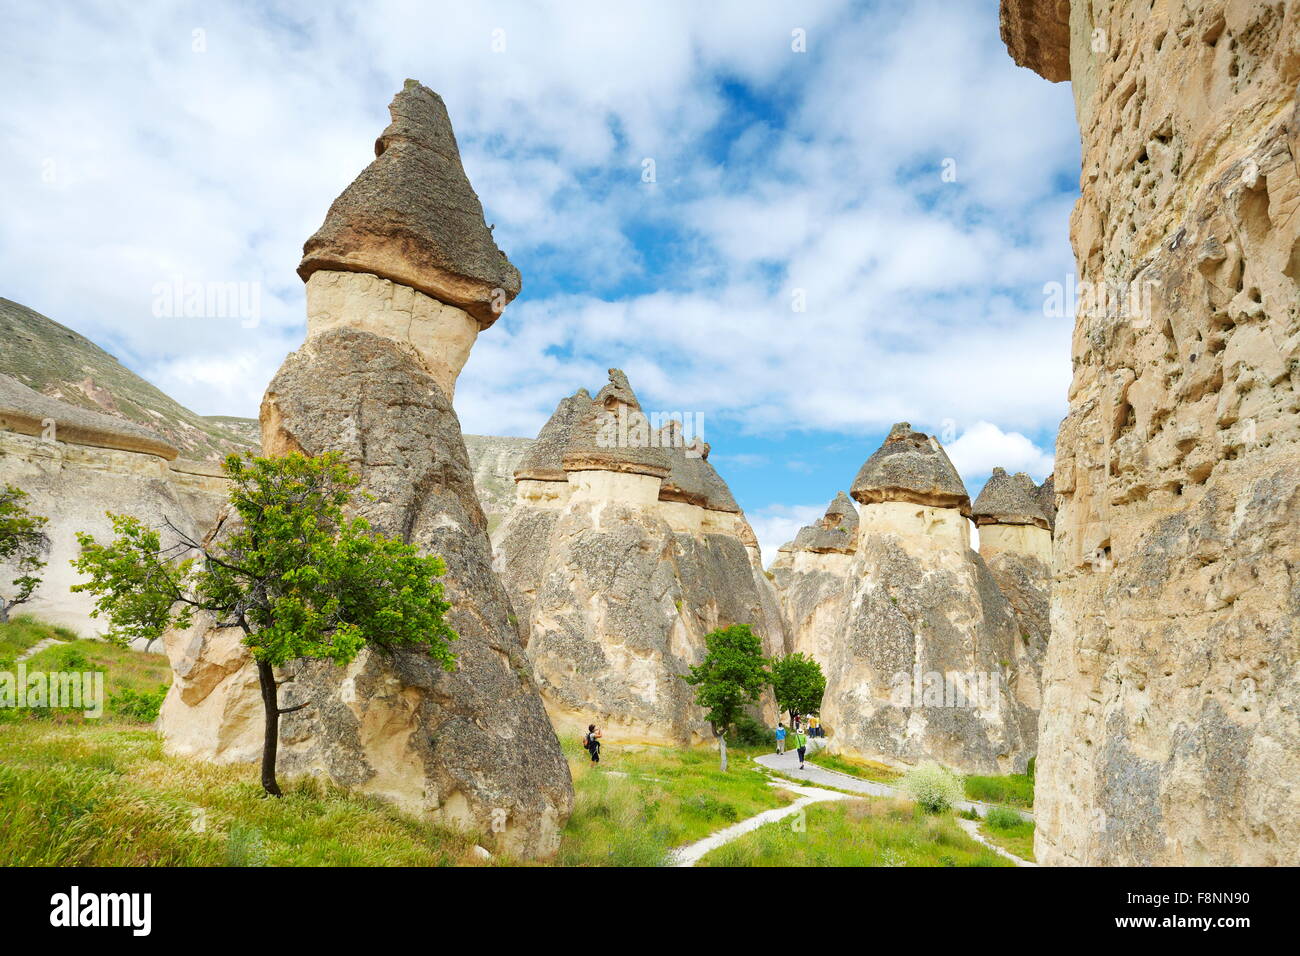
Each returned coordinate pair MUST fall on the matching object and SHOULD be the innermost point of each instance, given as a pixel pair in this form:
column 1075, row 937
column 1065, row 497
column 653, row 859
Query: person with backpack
column 801, row 745
column 591, row 742
column 780, row 738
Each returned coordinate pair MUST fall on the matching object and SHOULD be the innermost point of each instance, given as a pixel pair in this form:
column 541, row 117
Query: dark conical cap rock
column 613, row 434
column 835, row 532
column 28, row 412
column 412, row 216
column 913, row 467
column 545, row 458
column 717, row 494
column 1009, row 499
column 1047, row 499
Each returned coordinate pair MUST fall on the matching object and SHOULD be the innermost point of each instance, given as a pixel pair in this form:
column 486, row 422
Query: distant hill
column 56, row 361
column 494, row 460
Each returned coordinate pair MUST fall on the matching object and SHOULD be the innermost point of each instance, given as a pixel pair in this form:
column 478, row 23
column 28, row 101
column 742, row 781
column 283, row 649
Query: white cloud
column 776, row 524
column 984, row 446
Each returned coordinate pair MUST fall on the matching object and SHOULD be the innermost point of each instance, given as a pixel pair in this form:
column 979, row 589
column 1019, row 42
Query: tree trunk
column 4, row 611
column 722, row 749
column 271, row 741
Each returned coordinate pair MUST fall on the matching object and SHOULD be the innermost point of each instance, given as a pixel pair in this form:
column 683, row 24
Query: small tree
column 798, row 683
column 732, row 674
column 22, row 540
column 297, row 576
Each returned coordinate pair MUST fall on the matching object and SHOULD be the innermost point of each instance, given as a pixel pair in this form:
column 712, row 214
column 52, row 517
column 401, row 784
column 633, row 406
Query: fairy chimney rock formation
column 911, row 489
column 920, row 647
column 1171, row 691
column 401, row 274
column 1010, row 517
column 810, row 574
column 624, row 548
column 404, row 251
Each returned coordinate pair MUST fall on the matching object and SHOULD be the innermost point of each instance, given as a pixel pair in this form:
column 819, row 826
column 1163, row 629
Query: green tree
column 298, row 576
column 798, row 682
column 731, row 676
column 22, row 541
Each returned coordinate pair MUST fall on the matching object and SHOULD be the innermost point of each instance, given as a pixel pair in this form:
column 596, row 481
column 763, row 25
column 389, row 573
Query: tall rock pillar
column 400, row 279
column 1170, row 729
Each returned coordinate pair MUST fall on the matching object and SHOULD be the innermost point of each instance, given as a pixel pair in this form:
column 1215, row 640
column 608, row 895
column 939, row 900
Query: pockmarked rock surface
column 921, row 650
column 76, row 465
column 623, row 550
column 471, row 747
column 1170, row 730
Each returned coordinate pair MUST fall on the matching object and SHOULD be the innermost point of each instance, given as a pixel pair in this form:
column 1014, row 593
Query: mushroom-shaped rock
column 545, row 458
column 912, row 467
column 1009, row 499
column 1047, row 500
column 613, row 434
column 412, row 217
column 686, row 480
column 836, row 532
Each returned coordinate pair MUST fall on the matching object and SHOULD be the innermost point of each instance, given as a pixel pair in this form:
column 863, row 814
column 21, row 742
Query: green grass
column 25, row 631
column 1016, row 790
column 667, row 798
column 1010, row 831
column 854, row 767
column 864, row 832
column 128, row 676
column 104, row 794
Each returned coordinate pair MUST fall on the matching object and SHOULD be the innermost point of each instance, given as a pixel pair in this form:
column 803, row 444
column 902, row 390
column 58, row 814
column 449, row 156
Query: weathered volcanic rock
column 923, row 660
column 811, row 574
column 412, row 217
column 75, row 466
column 910, row 467
column 618, row 566
column 1009, row 499
column 471, row 747
column 1170, row 729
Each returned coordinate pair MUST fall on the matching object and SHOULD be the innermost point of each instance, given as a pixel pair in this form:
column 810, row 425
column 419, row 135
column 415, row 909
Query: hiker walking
column 814, row 726
column 591, row 741
column 780, row 738
column 801, row 745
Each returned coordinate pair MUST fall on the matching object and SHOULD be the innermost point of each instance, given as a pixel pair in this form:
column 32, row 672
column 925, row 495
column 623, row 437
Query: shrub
column 934, row 788
column 138, row 705
column 1003, row 818
column 748, row 732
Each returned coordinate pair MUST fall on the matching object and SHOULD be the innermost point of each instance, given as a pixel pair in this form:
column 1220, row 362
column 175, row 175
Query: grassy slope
column 867, row 832
column 104, row 794
column 23, row 632
column 59, row 362
column 1011, row 832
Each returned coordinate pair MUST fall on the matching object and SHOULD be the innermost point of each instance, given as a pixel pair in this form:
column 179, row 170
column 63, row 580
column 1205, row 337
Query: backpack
column 586, row 741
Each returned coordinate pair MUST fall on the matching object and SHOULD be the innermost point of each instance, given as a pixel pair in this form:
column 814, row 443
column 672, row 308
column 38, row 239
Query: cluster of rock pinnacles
column 1111, row 640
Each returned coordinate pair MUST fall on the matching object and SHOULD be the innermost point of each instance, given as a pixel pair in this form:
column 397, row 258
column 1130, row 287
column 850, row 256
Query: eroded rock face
column 618, row 561
column 472, row 747
column 1169, row 731
column 922, row 651
column 75, row 465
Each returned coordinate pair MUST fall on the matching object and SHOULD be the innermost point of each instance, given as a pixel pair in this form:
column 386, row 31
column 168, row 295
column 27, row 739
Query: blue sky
column 140, row 142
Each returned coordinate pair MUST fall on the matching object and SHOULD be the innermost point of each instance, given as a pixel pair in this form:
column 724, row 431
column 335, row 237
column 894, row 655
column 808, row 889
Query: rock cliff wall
column 1170, row 730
